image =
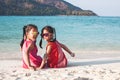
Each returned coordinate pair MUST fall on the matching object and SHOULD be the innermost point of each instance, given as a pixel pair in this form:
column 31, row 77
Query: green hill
column 41, row 7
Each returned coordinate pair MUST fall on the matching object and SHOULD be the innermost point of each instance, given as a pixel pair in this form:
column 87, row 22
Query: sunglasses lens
column 35, row 33
column 46, row 34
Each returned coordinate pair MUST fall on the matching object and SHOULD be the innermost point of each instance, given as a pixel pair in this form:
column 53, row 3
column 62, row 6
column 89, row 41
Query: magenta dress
column 35, row 60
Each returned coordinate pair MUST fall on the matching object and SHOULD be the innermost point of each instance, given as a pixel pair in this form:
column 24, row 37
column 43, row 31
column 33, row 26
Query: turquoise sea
column 79, row 33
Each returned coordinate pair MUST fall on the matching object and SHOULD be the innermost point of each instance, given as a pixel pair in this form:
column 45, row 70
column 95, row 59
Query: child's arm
column 66, row 49
column 45, row 58
column 43, row 62
column 26, row 57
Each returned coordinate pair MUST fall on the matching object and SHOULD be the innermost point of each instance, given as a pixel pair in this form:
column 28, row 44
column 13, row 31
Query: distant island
column 41, row 8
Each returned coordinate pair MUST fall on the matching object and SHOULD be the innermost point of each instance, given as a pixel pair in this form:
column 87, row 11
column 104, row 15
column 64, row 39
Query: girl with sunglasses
column 29, row 48
column 54, row 56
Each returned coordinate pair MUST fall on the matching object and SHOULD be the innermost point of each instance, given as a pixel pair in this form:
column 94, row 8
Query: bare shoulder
column 61, row 44
column 49, row 48
column 31, row 45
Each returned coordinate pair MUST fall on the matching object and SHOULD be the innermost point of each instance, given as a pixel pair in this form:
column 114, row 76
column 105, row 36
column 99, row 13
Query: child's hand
column 44, row 61
column 72, row 54
column 39, row 68
column 32, row 68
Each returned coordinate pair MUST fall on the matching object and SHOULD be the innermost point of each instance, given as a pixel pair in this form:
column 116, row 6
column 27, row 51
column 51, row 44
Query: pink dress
column 34, row 59
column 57, row 58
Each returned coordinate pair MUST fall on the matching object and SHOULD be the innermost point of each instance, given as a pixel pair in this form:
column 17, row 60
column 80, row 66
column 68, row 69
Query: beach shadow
column 93, row 62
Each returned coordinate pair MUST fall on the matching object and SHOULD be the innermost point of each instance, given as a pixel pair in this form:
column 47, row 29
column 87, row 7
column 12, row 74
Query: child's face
column 32, row 34
column 47, row 35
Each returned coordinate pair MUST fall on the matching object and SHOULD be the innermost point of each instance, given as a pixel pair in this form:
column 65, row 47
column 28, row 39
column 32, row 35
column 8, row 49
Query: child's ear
column 26, row 33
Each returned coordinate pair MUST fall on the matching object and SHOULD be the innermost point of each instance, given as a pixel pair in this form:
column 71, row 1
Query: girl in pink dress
column 29, row 49
column 54, row 56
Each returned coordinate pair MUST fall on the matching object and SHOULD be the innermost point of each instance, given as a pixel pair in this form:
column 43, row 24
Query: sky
column 100, row 7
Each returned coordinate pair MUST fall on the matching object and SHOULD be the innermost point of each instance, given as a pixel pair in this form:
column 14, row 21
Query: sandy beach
column 78, row 69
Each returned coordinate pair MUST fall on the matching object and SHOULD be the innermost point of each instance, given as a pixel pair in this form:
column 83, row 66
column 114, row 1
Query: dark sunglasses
column 45, row 34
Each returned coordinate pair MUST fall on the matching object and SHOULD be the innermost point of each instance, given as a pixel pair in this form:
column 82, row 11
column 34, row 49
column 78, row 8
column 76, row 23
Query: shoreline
column 79, row 55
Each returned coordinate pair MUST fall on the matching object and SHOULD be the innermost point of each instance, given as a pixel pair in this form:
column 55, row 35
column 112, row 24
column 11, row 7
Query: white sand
column 78, row 69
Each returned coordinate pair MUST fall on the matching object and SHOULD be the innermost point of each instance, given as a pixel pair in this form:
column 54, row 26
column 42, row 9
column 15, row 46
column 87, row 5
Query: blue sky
column 100, row 7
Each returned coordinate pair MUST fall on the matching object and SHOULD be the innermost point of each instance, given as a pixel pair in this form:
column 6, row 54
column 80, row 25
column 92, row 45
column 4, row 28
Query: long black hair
column 50, row 30
column 26, row 28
